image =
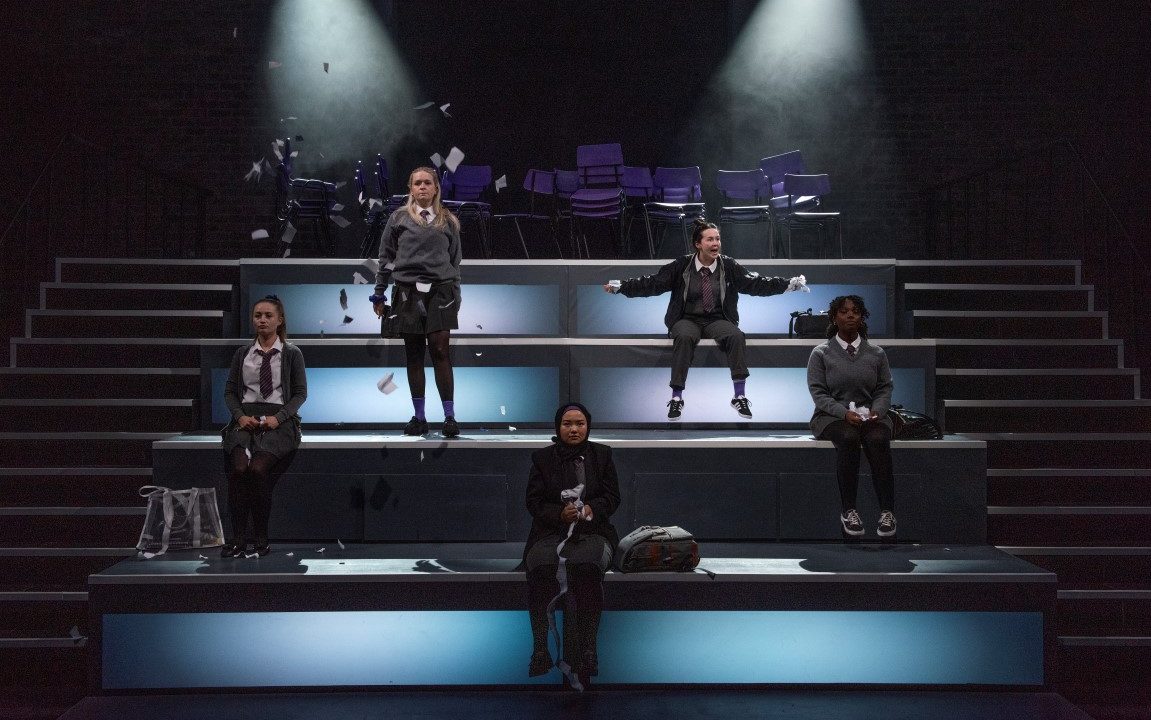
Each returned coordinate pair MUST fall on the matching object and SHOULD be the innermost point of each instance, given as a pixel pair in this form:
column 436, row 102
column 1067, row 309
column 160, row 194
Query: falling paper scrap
column 295, row 153
column 337, row 207
column 359, row 279
column 203, row 557
column 512, row 428
column 235, row 30
column 437, row 160
column 259, row 234
column 425, row 106
column 341, row 183
column 444, row 109
column 320, row 550
column 455, row 157
column 340, row 220
column 348, row 320
column 479, row 354
column 341, row 544
column 290, row 117
column 276, row 145
column 386, row 384
column 273, row 64
column 343, row 299
column 501, row 182
column 503, row 410
column 421, row 455
column 288, row 234
column 256, row 172
column 287, row 252
column 481, row 327
column 325, row 67
column 75, row 634
column 291, row 554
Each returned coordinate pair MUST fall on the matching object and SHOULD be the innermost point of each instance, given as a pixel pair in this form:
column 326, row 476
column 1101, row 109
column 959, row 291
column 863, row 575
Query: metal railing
column 1043, row 204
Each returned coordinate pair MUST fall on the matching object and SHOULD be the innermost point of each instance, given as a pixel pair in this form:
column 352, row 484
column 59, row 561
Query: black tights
column 874, row 438
column 250, row 485
column 437, row 344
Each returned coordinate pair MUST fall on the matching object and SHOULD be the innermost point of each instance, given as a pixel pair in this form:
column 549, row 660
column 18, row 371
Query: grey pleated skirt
column 279, row 442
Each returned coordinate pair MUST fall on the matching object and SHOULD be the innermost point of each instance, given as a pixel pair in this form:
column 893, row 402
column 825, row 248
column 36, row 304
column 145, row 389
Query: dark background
column 951, row 88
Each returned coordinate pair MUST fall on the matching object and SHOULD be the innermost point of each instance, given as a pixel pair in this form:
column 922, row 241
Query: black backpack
column 807, row 325
column 908, row 425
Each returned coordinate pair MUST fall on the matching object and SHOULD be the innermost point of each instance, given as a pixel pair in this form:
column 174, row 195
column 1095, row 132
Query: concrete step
column 68, row 324
column 44, row 662
column 1083, row 567
column 1066, row 450
column 43, row 614
column 59, row 569
column 1068, row 486
column 99, row 382
column 1079, row 526
column 92, row 486
column 1087, row 416
column 78, row 449
column 1008, row 272
column 1037, row 383
column 992, row 296
column 147, row 270
column 106, row 352
column 1105, row 612
column 1017, row 353
column 1118, row 658
column 1039, row 324
column 137, row 296
column 48, row 527
column 110, row 415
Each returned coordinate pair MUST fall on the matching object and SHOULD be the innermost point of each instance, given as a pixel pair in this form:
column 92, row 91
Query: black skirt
column 418, row 313
column 279, row 442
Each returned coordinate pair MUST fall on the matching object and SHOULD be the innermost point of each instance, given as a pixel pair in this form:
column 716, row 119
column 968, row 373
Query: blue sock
column 740, row 386
column 449, row 408
column 677, row 393
column 418, row 404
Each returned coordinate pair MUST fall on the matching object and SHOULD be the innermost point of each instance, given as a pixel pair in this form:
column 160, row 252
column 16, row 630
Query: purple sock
column 418, row 404
column 677, row 393
column 449, row 408
column 740, row 386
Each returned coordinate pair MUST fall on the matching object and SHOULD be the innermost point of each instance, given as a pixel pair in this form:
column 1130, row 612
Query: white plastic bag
column 179, row 519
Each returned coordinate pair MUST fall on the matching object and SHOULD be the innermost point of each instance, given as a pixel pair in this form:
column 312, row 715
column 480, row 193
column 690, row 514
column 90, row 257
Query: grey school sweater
column 835, row 380
column 412, row 252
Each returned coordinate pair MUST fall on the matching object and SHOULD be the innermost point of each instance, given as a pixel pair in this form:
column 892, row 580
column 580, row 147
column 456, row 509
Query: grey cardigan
column 412, row 252
column 293, row 379
column 835, row 379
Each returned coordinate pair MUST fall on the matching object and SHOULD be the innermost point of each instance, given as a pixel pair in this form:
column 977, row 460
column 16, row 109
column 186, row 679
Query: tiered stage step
column 734, row 485
column 422, row 615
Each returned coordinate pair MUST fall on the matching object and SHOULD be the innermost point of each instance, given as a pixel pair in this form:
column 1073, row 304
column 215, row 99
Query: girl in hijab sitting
column 572, row 492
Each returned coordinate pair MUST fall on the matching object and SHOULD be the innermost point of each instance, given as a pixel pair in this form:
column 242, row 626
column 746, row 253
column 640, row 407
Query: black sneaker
column 416, row 426
column 742, row 406
column 852, row 523
column 451, row 427
column 886, row 524
column 674, row 409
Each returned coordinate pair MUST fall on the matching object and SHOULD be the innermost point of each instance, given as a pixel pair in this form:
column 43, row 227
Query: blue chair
column 600, row 195
column 678, row 199
column 638, row 189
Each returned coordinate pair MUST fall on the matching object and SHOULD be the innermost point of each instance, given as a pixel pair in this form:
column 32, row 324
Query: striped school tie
column 266, row 371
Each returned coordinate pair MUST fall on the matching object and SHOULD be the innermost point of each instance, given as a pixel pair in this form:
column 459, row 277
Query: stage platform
column 434, row 615
column 727, row 485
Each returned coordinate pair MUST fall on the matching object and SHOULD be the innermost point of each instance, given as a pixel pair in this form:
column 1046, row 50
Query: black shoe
column 852, row 523
column 886, row 524
column 262, row 550
column 416, row 426
column 742, row 406
column 674, row 409
column 541, row 663
column 451, row 427
column 231, row 550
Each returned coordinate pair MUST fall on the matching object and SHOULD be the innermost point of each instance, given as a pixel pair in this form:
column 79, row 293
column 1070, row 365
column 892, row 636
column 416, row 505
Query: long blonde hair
column 443, row 215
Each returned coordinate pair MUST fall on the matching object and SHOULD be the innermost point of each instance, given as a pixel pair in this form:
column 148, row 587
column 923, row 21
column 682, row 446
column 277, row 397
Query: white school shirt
column 250, row 372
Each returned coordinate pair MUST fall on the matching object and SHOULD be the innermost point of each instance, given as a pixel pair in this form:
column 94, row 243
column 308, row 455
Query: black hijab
column 563, row 451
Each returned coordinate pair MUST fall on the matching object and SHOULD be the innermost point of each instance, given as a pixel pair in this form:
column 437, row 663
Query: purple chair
column 776, row 166
column 541, row 187
column 463, row 192
column 797, row 187
column 638, row 189
column 746, row 185
column 600, row 195
column 678, row 199
column 567, row 183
